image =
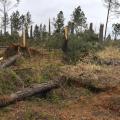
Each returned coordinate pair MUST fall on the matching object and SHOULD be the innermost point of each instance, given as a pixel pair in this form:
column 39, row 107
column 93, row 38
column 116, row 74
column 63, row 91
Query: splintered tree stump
column 16, row 49
column 28, row 92
column 101, row 32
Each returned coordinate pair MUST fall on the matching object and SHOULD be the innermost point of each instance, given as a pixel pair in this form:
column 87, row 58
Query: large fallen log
column 27, row 92
column 9, row 61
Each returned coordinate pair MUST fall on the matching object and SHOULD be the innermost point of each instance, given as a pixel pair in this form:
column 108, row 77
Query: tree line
column 78, row 23
column 17, row 22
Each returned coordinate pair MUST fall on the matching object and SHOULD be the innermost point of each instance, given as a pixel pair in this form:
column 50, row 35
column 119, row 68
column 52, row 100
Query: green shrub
column 81, row 46
column 9, row 82
column 9, row 39
column 51, row 72
column 55, row 42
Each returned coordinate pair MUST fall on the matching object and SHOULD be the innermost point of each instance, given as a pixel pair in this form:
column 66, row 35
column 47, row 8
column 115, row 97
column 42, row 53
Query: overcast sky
column 42, row 10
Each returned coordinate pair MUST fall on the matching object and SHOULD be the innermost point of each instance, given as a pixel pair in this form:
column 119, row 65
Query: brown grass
column 110, row 53
column 69, row 102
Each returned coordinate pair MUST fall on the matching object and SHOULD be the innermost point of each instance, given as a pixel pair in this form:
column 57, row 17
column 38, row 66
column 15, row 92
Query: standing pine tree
column 59, row 23
column 15, row 21
column 36, row 32
column 22, row 21
column 71, row 27
column 44, row 31
column 5, row 22
column 79, row 19
column 28, row 22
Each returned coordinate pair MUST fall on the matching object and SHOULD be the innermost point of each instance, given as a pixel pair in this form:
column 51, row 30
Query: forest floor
column 98, row 99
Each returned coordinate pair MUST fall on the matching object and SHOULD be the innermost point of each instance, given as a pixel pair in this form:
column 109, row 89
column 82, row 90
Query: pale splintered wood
column 24, row 38
column 66, row 32
column 1, row 58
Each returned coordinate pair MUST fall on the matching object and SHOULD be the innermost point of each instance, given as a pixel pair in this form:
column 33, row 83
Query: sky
column 42, row 10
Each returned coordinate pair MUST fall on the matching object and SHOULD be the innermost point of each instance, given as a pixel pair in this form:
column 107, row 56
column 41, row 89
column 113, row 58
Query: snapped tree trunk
column 31, row 32
column 49, row 27
column 101, row 32
column 115, row 38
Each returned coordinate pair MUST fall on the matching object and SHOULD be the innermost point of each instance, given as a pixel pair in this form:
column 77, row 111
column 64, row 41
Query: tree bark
column 27, row 92
column 31, row 32
column 109, row 7
column 49, row 27
column 101, row 30
column 9, row 62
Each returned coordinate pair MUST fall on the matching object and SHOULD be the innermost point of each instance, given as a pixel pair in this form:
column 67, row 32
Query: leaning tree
column 113, row 7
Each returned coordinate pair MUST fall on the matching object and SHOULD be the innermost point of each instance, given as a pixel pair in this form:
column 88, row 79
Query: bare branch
column 15, row 5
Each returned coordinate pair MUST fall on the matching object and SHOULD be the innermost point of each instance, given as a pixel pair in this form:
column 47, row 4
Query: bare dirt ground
column 105, row 106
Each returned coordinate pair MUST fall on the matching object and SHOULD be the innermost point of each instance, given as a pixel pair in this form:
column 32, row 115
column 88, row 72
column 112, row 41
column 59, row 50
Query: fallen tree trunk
column 9, row 61
column 27, row 92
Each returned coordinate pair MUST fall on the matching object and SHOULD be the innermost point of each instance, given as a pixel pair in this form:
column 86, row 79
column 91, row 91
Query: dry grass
column 76, row 103
column 96, row 75
column 84, row 68
column 109, row 53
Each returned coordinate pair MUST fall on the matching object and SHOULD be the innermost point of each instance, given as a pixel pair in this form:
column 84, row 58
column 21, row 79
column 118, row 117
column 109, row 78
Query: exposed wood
column 27, row 92
column 24, row 38
column 25, row 51
column 65, row 44
column 1, row 58
column 9, row 61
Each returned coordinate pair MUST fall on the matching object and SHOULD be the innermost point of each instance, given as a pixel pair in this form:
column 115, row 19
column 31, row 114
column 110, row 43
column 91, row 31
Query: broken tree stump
column 18, row 49
column 101, row 30
column 28, row 92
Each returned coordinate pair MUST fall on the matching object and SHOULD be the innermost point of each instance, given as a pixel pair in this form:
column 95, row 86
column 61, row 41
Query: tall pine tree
column 59, row 23
column 79, row 19
column 15, row 21
column 36, row 32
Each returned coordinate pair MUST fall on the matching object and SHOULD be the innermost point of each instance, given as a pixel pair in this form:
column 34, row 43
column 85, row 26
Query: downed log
column 27, row 92
column 9, row 61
